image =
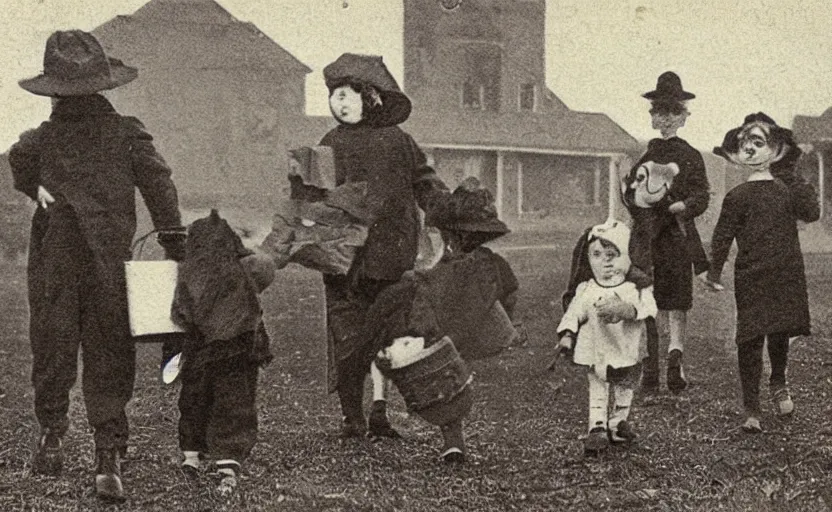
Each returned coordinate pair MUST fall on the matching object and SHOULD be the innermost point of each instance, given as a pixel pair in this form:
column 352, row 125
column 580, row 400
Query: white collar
column 761, row 176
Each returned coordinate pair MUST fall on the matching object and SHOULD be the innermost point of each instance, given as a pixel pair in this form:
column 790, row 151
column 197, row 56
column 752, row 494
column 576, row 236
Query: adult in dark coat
column 664, row 238
column 369, row 147
column 769, row 279
column 82, row 167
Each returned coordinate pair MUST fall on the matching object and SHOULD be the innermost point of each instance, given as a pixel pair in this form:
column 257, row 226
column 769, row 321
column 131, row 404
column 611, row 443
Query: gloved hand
column 173, row 242
column 567, row 344
column 612, row 310
column 712, row 281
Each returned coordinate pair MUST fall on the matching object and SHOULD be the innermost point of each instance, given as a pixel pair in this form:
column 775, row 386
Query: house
column 815, row 134
column 223, row 101
column 476, row 76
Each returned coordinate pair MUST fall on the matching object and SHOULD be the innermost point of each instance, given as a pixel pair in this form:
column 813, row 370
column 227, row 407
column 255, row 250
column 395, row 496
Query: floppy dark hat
column 74, row 64
column 471, row 209
column 370, row 69
column 669, row 87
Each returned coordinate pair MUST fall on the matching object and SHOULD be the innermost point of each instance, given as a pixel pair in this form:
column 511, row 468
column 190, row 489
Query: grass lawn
column 523, row 433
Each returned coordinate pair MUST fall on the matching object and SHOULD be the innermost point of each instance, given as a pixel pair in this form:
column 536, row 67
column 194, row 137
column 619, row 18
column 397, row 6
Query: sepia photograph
column 416, row 255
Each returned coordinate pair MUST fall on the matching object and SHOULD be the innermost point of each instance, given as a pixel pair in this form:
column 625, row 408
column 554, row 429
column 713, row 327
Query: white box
column 150, row 289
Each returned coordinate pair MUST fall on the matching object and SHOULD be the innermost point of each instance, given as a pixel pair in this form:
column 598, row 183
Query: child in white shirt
column 604, row 325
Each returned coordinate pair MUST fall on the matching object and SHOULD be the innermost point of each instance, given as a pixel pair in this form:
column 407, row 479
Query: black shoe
column 676, row 381
column 596, row 442
column 108, row 475
column 623, row 433
column 650, row 384
column 379, row 423
column 453, row 455
column 228, row 472
column 49, row 458
column 353, row 428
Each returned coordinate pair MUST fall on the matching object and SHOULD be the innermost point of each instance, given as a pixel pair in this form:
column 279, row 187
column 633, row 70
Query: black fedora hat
column 370, row 69
column 74, row 64
column 669, row 87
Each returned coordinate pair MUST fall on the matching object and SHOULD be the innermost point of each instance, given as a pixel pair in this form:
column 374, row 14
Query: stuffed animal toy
column 403, row 350
column 648, row 183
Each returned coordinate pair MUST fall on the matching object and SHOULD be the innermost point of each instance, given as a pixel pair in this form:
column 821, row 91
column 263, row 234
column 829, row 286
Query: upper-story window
column 528, row 97
column 472, row 95
column 481, row 77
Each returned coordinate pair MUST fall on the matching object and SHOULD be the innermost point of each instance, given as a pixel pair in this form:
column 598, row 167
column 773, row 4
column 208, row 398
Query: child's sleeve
column 24, row 159
column 429, row 188
column 153, row 177
column 645, row 304
column 699, row 189
column 575, row 314
column 727, row 226
column 804, row 200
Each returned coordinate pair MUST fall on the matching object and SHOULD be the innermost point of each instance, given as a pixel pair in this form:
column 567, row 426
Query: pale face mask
column 346, row 105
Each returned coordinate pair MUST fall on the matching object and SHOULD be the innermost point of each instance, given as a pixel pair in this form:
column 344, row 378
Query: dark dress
column 399, row 181
column 659, row 241
column 769, row 279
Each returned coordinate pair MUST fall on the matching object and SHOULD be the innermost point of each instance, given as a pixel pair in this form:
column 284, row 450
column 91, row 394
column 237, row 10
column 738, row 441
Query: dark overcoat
column 91, row 160
column 660, row 242
column 399, row 182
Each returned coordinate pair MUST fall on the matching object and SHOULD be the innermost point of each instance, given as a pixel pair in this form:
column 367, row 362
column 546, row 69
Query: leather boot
column 380, row 423
column 49, row 457
column 453, row 451
column 352, row 407
column 108, row 475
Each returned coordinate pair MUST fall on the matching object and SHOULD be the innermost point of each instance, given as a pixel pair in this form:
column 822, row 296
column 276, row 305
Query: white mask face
column 346, row 105
column 755, row 149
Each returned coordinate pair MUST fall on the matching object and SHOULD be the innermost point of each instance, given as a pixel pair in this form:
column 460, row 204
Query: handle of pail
column 139, row 243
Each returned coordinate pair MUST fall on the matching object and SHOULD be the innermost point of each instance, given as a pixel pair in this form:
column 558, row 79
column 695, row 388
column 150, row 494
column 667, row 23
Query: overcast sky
column 737, row 57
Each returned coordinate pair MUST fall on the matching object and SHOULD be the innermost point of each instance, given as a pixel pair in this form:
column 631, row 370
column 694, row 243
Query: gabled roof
column 192, row 11
column 809, row 129
column 206, row 36
column 568, row 131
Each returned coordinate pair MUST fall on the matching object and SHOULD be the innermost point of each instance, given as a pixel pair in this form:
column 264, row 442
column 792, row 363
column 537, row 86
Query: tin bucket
column 435, row 385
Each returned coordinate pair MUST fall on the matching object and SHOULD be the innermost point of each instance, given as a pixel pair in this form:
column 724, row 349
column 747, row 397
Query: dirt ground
column 523, row 433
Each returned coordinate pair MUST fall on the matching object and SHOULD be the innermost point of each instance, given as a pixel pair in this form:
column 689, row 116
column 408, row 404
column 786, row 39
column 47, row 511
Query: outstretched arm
column 727, row 226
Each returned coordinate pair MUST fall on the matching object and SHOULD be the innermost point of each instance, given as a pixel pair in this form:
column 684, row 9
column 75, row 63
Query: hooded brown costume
column 216, row 299
column 375, row 151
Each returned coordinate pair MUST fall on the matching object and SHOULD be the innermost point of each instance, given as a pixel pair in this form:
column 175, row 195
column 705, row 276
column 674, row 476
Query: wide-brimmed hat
column 669, row 87
column 370, row 69
column 470, row 209
column 74, row 64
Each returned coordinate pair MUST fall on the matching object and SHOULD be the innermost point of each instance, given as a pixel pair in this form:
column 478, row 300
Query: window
column 528, row 97
column 472, row 94
column 481, row 77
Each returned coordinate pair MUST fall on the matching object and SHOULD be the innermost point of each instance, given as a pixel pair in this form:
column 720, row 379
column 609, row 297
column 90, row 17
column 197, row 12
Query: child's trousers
column 622, row 382
column 217, row 408
column 750, row 358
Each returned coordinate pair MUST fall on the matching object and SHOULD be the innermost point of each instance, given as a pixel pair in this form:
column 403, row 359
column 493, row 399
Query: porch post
column 500, row 184
column 612, row 189
column 821, row 182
